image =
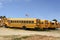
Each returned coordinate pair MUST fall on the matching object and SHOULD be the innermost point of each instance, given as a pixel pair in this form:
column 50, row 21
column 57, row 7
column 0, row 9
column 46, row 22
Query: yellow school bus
column 22, row 22
column 0, row 23
column 49, row 24
column 28, row 23
column 53, row 25
column 43, row 24
column 58, row 25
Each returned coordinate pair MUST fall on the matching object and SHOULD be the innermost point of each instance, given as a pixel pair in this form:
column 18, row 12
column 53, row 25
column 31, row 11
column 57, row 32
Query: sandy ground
column 39, row 37
column 8, row 33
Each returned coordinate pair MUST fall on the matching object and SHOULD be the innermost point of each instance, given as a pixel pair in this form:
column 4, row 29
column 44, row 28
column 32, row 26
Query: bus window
column 32, row 21
column 17, row 21
column 26, row 21
column 29, row 21
column 11, row 21
column 46, row 23
column 38, row 21
column 52, row 23
column 21, row 21
column 14, row 21
column 42, row 22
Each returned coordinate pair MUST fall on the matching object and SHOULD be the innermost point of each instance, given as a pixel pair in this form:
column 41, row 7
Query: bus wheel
column 54, row 28
column 24, row 27
column 45, row 29
column 5, row 26
column 36, row 28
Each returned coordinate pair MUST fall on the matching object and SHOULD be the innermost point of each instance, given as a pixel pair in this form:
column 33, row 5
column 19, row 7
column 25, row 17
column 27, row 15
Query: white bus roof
column 21, row 18
column 53, row 21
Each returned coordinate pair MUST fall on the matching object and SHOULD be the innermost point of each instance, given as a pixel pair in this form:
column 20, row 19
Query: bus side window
column 8, row 21
column 56, row 23
column 41, row 22
column 11, row 21
column 29, row 21
column 52, row 23
column 14, row 21
column 21, row 21
column 32, row 21
column 26, row 21
column 17, row 21
column 46, row 22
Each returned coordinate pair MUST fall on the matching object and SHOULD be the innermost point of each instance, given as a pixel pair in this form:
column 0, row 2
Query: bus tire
column 5, row 26
column 36, row 28
column 24, row 27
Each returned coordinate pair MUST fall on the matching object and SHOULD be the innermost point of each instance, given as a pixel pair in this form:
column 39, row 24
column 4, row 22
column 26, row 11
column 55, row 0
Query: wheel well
column 24, row 26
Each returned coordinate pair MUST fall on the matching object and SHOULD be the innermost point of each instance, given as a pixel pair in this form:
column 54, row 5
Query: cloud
column 9, row 1
column 4, row 2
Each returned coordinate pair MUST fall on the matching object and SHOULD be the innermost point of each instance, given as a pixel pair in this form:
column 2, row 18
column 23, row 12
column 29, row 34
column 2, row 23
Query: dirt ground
column 19, row 34
column 40, row 37
column 33, row 37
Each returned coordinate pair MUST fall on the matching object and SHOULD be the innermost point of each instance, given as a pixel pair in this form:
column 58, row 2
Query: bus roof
column 53, row 21
column 21, row 18
column 44, row 20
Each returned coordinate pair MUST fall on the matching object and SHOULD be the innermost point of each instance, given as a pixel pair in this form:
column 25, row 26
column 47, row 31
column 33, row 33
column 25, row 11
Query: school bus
column 58, row 25
column 53, row 25
column 0, row 23
column 28, row 23
column 43, row 24
column 49, row 24
column 21, row 22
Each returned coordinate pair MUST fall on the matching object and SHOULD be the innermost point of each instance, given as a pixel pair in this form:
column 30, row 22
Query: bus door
column 38, row 22
column 46, row 23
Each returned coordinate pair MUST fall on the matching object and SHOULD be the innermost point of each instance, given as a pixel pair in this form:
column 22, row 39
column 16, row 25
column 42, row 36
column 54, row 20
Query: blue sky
column 43, row 9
